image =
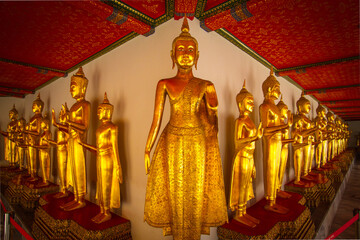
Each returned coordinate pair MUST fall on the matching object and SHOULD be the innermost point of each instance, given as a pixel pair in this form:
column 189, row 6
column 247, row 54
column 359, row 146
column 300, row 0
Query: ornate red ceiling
column 313, row 43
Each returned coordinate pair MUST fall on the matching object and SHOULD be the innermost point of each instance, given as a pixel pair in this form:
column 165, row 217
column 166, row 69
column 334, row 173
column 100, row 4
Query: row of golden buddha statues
column 185, row 192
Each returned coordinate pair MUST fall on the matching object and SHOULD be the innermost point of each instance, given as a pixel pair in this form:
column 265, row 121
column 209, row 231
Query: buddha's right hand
column 53, row 121
column 147, row 162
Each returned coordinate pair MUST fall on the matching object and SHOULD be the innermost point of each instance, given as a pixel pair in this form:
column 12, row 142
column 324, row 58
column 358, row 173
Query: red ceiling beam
column 12, row 94
column 331, row 102
column 329, row 89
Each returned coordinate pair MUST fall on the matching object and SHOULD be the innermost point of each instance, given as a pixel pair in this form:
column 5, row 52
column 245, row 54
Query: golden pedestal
column 310, row 191
column 327, row 191
column 296, row 223
column 31, row 193
column 8, row 173
column 51, row 222
column 15, row 188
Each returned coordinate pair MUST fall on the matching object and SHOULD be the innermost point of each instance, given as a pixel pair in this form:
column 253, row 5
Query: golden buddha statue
column 10, row 137
column 33, row 131
column 331, row 134
column 109, row 172
column 303, row 107
column 243, row 169
column 298, row 145
column 185, row 189
column 320, row 134
column 44, row 152
column 338, row 135
column 272, row 141
column 20, row 143
column 78, row 125
column 285, row 140
column 62, row 137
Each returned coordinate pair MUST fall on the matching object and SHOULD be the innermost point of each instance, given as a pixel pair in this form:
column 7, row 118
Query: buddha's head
column 271, row 86
column 283, row 109
column 64, row 113
column 245, row 101
column 78, row 85
column 320, row 110
column 105, row 109
column 303, row 104
column 13, row 113
column 330, row 116
column 38, row 105
column 184, row 51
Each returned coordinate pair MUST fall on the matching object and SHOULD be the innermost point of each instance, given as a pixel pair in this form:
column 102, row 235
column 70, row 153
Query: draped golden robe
column 185, row 188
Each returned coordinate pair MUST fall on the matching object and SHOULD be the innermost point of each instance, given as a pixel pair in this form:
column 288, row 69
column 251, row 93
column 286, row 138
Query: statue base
column 15, row 189
column 296, row 223
column 327, row 191
column 51, row 222
column 333, row 172
column 8, row 173
column 309, row 190
column 31, row 193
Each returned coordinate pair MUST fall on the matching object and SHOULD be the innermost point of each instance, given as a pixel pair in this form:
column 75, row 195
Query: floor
column 349, row 201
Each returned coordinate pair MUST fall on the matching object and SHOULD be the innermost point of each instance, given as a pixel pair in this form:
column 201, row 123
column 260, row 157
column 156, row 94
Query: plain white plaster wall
column 354, row 127
column 129, row 75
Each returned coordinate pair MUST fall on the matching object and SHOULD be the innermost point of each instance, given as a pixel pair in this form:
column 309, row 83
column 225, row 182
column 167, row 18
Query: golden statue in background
column 10, row 135
column 272, row 141
column 320, row 134
column 21, row 143
column 285, row 140
column 62, row 138
column 298, row 145
column 33, row 132
column 44, row 152
column 185, row 189
column 78, row 125
column 303, row 107
column 243, row 170
column 331, row 134
column 109, row 172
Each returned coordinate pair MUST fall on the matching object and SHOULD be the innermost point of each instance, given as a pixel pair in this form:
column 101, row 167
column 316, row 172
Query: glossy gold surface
column 320, row 134
column 272, row 141
column 185, row 189
column 44, row 152
column 109, row 172
column 10, row 137
column 331, row 134
column 243, row 170
column 21, row 143
column 33, row 131
column 77, row 127
column 62, row 137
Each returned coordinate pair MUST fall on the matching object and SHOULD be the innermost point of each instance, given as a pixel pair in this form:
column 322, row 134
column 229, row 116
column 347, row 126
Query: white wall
column 129, row 75
column 354, row 127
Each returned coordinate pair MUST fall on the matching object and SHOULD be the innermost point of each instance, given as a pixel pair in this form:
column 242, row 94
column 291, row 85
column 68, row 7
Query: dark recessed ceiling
column 314, row 44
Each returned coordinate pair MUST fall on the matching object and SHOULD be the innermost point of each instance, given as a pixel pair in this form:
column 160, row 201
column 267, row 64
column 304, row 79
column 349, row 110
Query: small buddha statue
column 44, row 152
column 285, row 139
column 109, row 172
column 320, row 133
column 10, row 137
column 33, row 131
column 20, row 143
column 303, row 107
column 185, row 189
column 61, row 144
column 78, row 125
column 272, row 141
column 243, row 170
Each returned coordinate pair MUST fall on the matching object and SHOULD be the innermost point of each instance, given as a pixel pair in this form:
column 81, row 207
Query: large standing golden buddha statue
column 78, row 125
column 331, row 134
column 10, row 137
column 243, row 170
column 272, row 141
column 321, row 141
column 44, row 152
column 21, row 143
column 185, row 189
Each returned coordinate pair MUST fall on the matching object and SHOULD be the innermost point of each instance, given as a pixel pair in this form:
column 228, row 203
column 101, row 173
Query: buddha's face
column 104, row 113
column 76, row 90
column 21, row 126
column 322, row 113
column 305, row 107
column 185, row 55
column 36, row 108
column 248, row 104
column 275, row 91
column 11, row 115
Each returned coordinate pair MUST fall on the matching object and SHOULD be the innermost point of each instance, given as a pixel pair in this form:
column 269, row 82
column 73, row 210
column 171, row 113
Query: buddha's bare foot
column 68, row 204
column 75, row 206
column 251, row 218
column 283, row 194
column 313, row 174
column 104, row 218
column 42, row 184
column 276, row 208
column 32, row 179
column 97, row 217
column 61, row 195
column 307, row 177
column 300, row 183
column 245, row 221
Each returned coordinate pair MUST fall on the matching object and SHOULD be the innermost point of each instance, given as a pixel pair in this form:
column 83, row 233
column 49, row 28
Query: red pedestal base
column 51, row 222
column 295, row 224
